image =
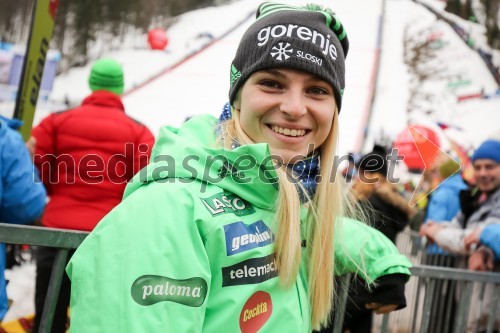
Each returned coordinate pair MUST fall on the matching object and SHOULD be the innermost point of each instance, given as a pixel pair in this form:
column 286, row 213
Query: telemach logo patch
column 251, row 271
column 241, row 237
column 256, row 312
column 151, row 289
column 222, row 203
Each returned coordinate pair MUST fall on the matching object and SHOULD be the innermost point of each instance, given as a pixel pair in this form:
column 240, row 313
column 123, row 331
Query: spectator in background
column 444, row 204
column 488, row 252
column 388, row 211
column 445, row 201
column 480, row 207
column 85, row 156
column 22, row 196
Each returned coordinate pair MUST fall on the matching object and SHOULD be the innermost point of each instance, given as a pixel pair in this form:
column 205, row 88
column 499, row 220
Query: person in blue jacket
column 444, row 202
column 490, row 237
column 22, row 197
column 488, row 251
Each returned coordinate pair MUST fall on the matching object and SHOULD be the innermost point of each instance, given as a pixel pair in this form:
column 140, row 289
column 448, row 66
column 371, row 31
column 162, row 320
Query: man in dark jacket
column 86, row 156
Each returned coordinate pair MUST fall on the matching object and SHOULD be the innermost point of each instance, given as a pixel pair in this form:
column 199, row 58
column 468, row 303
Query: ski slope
column 201, row 84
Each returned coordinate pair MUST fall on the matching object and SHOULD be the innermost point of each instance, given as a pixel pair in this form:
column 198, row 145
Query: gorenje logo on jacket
column 251, row 271
column 151, row 289
column 241, row 237
column 222, row 203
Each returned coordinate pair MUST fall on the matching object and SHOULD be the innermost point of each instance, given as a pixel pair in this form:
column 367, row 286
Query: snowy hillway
column 201, row 84
column 415, row 81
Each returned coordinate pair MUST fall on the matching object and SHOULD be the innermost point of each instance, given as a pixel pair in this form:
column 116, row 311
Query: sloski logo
column 151, row 289
column 222, row 203
column 281, row 51
column 241, row 237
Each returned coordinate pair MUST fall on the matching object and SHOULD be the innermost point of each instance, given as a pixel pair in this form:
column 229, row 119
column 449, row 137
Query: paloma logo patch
column 151, row 289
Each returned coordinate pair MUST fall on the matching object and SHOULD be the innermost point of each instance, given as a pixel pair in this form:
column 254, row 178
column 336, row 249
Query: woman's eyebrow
column 314, row 78
column 274, row 72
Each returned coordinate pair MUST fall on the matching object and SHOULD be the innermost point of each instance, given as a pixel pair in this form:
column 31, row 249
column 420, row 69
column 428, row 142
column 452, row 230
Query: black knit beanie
column 308, row 38
column 375, row 161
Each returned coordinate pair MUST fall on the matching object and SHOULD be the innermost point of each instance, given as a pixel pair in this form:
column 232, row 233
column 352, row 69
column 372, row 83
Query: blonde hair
column 324, row 209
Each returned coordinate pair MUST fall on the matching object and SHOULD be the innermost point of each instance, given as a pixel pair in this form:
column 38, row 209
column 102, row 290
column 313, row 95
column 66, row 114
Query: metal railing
column 63, row 240
column 443, row 299
column 421, row 290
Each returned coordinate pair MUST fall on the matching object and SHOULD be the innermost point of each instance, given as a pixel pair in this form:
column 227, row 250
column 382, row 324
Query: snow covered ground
column 406, row 92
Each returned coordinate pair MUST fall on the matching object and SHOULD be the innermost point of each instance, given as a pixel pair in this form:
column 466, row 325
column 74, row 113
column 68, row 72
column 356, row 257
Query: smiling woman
column 261, row 252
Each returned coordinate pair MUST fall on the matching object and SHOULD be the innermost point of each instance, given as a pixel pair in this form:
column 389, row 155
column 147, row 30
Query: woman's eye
column 318, row 91
column 270, row 84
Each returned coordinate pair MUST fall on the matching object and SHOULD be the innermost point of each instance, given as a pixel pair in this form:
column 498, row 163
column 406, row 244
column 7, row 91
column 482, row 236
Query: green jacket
column 190, row 248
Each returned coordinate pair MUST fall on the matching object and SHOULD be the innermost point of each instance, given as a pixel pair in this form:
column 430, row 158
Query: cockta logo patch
column 222, row 203
column 256, row 312
column 151, row 289
column 242, row 237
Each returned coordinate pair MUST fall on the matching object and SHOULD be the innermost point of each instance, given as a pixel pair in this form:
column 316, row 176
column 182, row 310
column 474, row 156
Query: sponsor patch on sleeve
column 256, row 312
column 151, row 289
column 251, row 271
column 223, row 203
column 242, row 237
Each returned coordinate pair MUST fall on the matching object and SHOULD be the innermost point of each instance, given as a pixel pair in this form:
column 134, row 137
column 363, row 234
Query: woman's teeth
column 288, row 132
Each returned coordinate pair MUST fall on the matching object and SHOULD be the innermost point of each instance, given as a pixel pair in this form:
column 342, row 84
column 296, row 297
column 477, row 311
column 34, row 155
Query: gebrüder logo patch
column 151, row 289
column 256, row 312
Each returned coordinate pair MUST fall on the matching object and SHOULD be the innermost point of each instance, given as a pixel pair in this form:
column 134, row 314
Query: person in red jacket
column 85, row 157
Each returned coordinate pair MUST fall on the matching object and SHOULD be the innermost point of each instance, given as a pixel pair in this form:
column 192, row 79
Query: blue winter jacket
column 22, row 196
column 445, row 204
column 490, row 237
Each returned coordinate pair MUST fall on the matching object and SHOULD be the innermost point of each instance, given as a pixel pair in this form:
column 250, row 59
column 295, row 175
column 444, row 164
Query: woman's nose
column 293, row 105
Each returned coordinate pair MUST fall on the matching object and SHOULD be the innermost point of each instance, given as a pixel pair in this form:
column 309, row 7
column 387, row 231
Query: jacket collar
column 104, row 98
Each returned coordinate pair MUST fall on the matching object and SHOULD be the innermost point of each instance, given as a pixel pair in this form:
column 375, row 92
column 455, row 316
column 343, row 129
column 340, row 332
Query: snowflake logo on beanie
column 281, row 51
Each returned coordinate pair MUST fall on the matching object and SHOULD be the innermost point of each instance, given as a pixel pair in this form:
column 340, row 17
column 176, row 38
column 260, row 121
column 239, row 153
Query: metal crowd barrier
column 443, row 299
column 424, row 291
column 64, row 240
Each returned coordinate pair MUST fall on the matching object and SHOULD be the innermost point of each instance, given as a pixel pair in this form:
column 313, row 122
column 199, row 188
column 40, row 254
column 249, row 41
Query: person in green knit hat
column 237, row 224
column 85, row 156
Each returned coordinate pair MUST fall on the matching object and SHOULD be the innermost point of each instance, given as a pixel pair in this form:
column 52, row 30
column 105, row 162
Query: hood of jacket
column 104, row 98
column 454, row 183
column 191, row 154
